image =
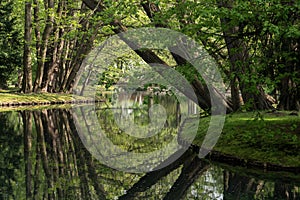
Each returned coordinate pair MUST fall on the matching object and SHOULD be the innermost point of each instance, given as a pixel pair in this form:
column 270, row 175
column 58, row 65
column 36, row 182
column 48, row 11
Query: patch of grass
column 10, row 97
column 37, row 98
column 36, row 107
column 272, row 137
column 24, row 101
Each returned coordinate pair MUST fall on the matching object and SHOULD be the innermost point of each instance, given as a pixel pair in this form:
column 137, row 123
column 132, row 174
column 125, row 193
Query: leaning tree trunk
column 150, row 57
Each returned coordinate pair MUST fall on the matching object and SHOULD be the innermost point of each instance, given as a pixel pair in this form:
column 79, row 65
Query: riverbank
column 269, row 140
column 9, row 98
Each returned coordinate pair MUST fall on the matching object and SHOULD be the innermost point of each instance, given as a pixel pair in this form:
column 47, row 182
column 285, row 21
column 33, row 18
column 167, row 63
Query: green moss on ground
column 265, row 137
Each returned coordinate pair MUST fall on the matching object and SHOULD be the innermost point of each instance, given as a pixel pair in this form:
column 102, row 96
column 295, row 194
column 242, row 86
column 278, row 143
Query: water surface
column 43, row 157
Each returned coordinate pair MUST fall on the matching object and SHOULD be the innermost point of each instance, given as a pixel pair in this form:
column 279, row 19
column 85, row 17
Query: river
column 44, row 156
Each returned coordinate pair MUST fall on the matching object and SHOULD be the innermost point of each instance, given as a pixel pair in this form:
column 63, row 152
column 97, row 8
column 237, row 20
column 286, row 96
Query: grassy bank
column 8, row 98
column 265, row 137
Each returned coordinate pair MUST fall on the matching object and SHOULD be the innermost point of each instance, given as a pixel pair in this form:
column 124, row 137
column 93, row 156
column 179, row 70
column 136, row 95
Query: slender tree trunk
column 84, row 46
column 63, row 69
column 36, row 20
column 41, row 129
column 49, row 6
column 27, row 63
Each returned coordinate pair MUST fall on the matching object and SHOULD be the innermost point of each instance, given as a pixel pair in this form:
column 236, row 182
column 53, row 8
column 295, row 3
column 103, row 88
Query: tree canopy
column 255, row 43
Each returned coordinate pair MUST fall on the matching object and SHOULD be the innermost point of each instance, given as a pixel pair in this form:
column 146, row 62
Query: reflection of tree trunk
column 70, row 157
column 153, row 177
column 238, row 187
column 43, row 150
column 51, row 129
column 60, row 153
column 282, row 191
column 37, row 172
column 27, row 123
column 87, row 169
column 91, row 168
column 190, row 172
column 93, row 175
column 85, row 191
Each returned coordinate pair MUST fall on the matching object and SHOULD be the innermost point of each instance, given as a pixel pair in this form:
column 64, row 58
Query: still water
column 44, row 157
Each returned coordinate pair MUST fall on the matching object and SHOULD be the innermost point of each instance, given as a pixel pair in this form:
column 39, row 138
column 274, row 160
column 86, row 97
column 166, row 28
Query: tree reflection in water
column 42, row 157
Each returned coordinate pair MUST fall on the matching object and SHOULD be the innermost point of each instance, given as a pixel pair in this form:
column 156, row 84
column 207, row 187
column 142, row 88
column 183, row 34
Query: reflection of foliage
column 206, row 187
column 11, row 155
column 140, row 115
column 63, row 169
column 129, row 143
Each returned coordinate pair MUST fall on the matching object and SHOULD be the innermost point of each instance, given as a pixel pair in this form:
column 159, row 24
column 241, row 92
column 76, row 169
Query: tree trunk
column 51, row 70
column 253, row 94
column 289, row 86
column 27, row 68
column 150, row 57
column 42, row 54
column 289, row 95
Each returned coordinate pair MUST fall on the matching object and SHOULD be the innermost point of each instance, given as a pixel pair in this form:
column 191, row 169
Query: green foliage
column 10, row 42
column 110, row 77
